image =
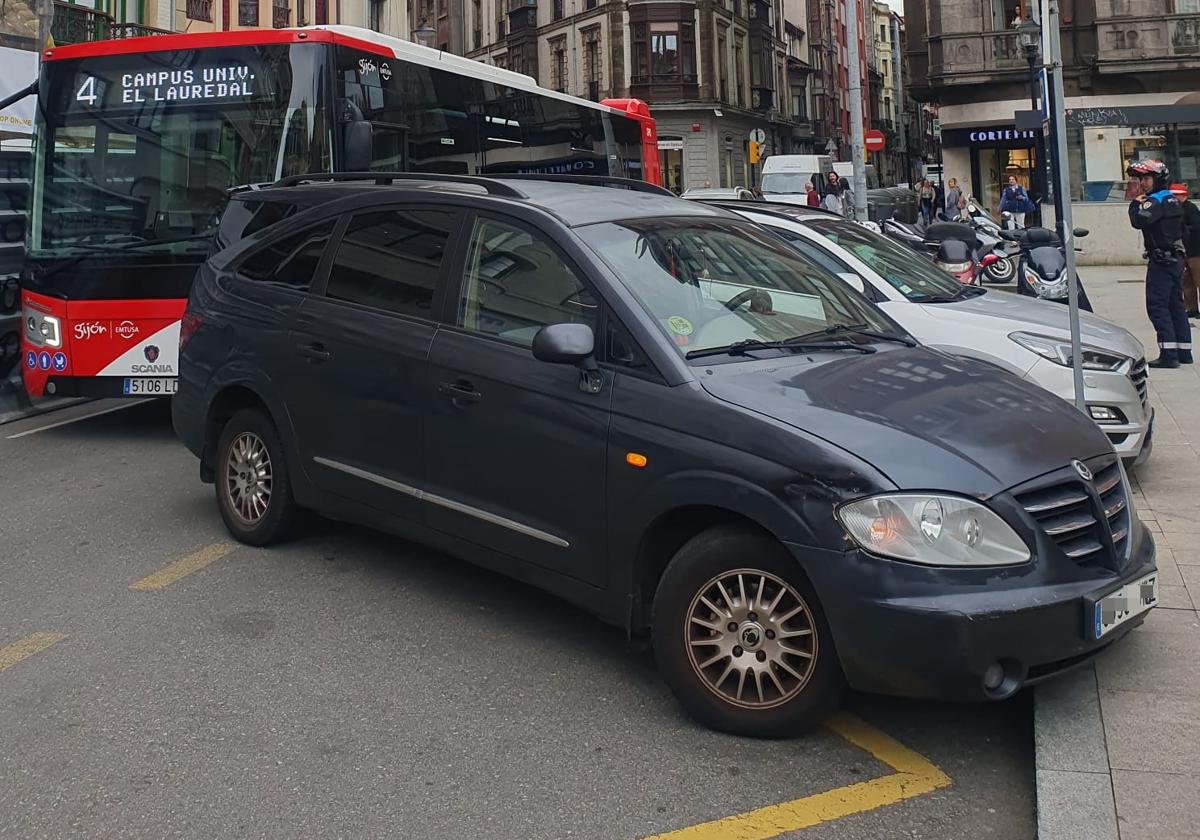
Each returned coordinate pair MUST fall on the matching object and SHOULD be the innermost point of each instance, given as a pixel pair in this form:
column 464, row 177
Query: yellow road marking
column 914, row 776
column 183, row 568
column 24, row 648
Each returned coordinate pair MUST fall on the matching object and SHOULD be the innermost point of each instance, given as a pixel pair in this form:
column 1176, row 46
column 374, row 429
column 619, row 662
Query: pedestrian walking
column 927, row 195
column 953, row 194
column 811, row 195
column 1191, row 247
column 1159, row 216
column 1015, row 200
column 831, row 198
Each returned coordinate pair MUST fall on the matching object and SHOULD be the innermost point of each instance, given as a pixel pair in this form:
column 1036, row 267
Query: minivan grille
column 1089, row 520
column 1138, row 376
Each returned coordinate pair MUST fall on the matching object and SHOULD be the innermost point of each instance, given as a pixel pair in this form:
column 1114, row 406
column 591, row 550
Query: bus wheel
column 254, row 491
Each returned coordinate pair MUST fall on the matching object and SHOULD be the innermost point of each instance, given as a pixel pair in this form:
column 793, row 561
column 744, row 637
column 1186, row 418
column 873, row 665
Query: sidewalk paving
column 1118, row 742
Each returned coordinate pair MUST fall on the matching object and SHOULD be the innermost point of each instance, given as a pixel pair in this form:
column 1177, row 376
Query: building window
column 375, row 14
column 321, row 12
column 558, row 64
column 199, row 10
column 664, row 49
column 799, row 102
column 591, row 62
column 501, row 61
column 281, row 15
column 722, row 65
column 589, row 4
column 557, row 10
column 476, row 24
column 739, row 57
column 247, row 12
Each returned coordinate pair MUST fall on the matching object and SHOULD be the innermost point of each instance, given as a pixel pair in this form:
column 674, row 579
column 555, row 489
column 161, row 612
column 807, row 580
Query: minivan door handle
column 460, row 391
column 315, row 352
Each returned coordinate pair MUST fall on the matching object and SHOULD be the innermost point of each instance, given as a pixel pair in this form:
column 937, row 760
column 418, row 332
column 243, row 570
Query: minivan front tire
column 254, row 491
column 740, row 637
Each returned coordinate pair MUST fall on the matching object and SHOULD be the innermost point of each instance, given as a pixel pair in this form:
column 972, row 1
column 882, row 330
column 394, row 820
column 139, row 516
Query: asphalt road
column 354, row 685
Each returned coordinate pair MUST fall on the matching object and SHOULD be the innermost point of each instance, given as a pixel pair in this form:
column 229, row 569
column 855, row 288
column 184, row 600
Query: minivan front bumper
column 933, row 633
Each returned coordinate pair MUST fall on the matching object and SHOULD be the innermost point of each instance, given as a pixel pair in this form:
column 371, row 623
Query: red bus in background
column 140, row 140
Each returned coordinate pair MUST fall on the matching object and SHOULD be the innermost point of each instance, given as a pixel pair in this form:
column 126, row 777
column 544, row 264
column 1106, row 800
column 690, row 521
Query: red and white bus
column 139, row 141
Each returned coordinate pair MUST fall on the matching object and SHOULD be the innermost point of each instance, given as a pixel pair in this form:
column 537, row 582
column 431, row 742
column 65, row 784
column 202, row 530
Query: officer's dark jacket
column 1160, row 219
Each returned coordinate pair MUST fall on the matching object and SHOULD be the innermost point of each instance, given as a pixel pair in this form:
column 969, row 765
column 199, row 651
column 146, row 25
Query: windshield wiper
column 110, row 247
column 740, row 348
column 857, row 329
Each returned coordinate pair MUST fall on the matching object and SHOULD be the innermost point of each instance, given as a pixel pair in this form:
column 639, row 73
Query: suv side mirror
column 358, row 146
column 568, row 344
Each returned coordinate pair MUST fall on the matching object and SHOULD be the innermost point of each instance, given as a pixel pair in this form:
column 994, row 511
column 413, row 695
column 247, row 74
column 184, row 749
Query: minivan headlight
column 931, row 529
column 1058, row 351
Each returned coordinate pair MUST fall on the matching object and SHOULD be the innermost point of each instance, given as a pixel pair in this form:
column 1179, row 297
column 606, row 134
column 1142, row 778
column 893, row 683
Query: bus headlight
column 933, row 530
column 42, row 330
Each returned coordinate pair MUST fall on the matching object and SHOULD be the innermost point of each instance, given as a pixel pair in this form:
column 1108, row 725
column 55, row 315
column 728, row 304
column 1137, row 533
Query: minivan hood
column 926, row 419
column 1045, row 318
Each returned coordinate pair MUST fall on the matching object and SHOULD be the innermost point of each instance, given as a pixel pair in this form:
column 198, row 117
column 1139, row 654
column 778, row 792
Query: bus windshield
column 140, row 150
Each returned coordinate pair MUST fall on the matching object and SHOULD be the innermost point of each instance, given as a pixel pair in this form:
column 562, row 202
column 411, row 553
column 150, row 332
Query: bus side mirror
column 358, row 146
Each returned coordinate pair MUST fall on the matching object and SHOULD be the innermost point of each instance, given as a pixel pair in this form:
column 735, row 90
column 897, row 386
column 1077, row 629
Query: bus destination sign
column 233, row 81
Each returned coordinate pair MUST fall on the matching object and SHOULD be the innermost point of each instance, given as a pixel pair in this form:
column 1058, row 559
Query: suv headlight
column 1058, row 351
column 933, row 530
column 41, row 330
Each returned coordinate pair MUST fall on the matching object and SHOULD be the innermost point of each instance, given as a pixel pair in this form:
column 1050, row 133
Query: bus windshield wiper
column 857, row 329
column 741, row 348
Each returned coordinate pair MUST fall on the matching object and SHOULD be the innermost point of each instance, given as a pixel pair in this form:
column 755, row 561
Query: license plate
column 1130, row 601
column 151, row 386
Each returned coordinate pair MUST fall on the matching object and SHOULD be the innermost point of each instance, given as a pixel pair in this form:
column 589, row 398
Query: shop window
column 670, row 159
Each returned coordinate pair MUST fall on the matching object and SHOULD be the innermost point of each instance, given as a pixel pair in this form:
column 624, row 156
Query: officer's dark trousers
column 1164, row 305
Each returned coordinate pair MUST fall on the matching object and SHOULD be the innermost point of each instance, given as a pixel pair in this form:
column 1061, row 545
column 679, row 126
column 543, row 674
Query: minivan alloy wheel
column 751, row 638
column 248, row 478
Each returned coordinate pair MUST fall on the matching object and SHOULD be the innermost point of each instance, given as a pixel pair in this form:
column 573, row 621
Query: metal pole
column 857, row 151
column 1039, row 168
column 898, row 96
column 1062, row 190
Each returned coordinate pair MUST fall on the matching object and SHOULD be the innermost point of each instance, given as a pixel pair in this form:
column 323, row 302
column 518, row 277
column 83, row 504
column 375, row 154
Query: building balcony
column 980, row 55
column 1126, row 44
column 74, row 24
column 522, row 17
column 664, row 88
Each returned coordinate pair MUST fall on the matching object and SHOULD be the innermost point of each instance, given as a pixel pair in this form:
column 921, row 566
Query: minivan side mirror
column 853, row 281
column 566, row 344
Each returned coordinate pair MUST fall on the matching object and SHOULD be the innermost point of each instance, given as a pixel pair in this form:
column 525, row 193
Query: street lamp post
column 424, row 34
column 1030, row 35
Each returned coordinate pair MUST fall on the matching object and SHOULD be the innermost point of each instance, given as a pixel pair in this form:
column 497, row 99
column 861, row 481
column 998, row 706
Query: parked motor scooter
column 1042, row 272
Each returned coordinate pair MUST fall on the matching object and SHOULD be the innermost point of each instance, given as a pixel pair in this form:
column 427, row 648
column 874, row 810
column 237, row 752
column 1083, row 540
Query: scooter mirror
column 1080, row 232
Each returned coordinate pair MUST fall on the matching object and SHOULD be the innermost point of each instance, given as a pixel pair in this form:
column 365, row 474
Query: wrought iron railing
column 74, row 24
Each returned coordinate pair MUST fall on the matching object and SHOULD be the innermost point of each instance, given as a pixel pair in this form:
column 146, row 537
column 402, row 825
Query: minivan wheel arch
column 663, row 538
column 228, row 402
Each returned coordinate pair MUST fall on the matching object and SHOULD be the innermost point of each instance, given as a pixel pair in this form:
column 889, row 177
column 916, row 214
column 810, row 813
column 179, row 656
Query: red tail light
column 187, row 328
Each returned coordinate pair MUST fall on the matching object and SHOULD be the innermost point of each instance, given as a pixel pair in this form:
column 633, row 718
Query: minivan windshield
column 917, row 279
column 785, row 183
column 711, row 283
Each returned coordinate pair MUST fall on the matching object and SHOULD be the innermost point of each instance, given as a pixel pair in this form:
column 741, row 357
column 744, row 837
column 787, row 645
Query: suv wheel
column 254, row 493
column 741, row 639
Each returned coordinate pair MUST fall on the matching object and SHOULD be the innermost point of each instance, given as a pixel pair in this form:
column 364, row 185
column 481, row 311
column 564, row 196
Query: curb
column 1074, row 781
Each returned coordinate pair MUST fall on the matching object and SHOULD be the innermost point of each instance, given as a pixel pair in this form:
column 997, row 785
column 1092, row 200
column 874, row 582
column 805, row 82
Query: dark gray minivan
column 660, row 412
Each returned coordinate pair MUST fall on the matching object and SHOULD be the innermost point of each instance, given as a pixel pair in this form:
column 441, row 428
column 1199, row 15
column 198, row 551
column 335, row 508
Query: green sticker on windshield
column 679, row 325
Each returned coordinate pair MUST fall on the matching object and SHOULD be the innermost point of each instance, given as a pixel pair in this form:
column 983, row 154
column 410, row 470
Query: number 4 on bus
column 87, row 91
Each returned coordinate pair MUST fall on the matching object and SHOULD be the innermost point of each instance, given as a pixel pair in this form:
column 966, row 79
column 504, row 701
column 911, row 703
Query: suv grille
column 1089, row 520
column 1137, row 375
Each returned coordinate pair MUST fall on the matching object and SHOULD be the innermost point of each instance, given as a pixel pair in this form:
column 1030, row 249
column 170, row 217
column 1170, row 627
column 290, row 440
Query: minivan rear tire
column 754, row 583
column 253, row 484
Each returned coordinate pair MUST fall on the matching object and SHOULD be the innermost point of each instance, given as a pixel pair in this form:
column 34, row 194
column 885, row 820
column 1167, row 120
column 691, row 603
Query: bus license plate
column 162, row 387
column 1128, row 602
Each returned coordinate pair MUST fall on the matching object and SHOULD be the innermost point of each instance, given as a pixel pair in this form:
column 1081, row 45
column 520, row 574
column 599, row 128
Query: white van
column 845, row 170
column 787, row 174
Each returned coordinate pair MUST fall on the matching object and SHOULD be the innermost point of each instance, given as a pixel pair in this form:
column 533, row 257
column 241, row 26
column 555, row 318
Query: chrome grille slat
column 1089, row 521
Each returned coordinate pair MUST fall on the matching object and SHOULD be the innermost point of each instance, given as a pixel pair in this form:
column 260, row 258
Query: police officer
column 1159, row 216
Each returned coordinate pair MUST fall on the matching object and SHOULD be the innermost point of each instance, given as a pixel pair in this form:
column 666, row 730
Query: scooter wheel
column 1001, row 271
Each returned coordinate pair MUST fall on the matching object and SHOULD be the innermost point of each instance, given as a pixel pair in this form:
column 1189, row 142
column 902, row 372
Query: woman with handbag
column 1015, row 200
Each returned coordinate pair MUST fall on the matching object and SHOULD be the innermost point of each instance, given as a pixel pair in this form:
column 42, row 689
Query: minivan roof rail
column 492, row 186
column 593, row 180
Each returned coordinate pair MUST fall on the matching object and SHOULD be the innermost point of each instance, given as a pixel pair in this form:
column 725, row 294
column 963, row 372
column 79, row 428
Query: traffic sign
column 758, row 136
column 874, row 140
column 937, row 127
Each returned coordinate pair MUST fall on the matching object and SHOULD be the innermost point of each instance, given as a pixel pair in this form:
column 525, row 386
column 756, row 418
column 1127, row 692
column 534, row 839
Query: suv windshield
column 917, row 279
column 138, row 151
column 713, row 283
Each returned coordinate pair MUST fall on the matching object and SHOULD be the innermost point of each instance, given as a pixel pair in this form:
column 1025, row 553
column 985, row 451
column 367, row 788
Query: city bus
column 139, row 142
